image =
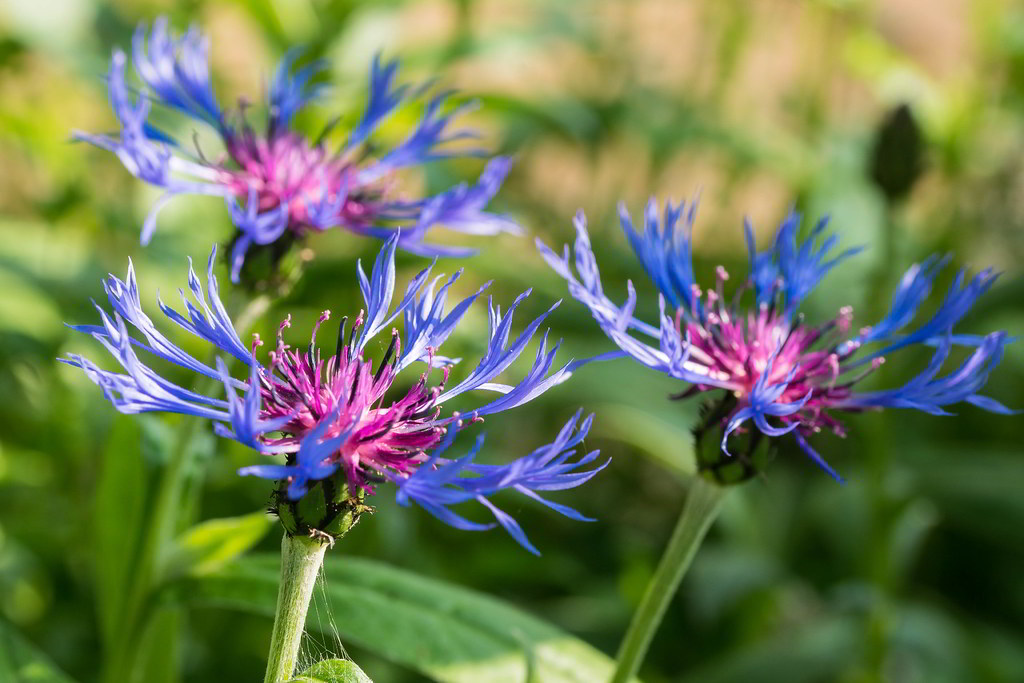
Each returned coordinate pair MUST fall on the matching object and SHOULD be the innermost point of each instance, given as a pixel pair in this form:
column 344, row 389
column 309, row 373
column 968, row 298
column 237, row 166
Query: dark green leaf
column 443, row 631
column 21, row 662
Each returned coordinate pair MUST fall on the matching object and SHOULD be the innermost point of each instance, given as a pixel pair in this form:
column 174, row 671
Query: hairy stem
column 699, row 510
column 301, row 559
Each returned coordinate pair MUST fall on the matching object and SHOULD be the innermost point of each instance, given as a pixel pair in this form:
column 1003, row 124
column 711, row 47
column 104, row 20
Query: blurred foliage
column 911, row 572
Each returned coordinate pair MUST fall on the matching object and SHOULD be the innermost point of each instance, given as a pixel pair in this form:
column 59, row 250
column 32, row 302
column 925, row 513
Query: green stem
column 700, row 509
column 163, row 522
column 878, row 560
column 301, row 559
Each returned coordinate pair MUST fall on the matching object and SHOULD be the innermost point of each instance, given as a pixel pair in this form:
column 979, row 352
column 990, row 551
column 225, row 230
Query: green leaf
column 21, row 662
column 443, row 631
column 333, row 671
column 27, row 309
column 160, row 653
column 209, row 545
column 117, row 517
column 648, row 431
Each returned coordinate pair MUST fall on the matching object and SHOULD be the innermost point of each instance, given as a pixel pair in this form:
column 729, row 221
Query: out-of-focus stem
column 877, row 556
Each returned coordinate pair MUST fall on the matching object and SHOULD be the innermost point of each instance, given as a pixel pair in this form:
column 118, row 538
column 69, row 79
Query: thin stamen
column 387, row 355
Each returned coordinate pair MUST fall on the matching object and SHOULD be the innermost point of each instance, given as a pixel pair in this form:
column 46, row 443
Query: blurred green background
column 910, row 572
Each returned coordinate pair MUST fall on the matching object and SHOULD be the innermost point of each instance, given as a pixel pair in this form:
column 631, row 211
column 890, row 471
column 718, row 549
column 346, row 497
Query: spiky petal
column 339, row 412
column 787, row 377
column 278, row 181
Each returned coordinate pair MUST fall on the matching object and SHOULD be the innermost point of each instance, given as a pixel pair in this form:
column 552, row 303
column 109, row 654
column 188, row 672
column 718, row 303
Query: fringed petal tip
column 440, row 483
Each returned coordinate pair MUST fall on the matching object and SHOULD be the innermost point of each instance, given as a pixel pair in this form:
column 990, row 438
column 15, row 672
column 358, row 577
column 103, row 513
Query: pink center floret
column 284, row 168
column 392, row 437
column 738, row 348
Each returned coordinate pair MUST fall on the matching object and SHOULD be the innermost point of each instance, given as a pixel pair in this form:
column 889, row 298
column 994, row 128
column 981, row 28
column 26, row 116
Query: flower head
column 277, row 183
column 779, row 374
column 339, row 418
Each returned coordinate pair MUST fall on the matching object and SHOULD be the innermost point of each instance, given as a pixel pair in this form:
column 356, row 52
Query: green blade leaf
column 21, row 662
column 210, row 545
column 332, row 671
column 443, row 631
column 160, row 653
column 117, row 518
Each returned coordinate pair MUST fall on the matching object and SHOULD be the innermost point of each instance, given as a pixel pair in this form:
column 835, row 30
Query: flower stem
column 701, row 507
column 301, row 559
column 878, row 561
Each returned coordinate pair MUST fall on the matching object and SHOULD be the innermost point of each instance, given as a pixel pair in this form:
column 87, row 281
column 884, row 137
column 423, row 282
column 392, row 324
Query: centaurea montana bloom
column 778, row 372
column 345, row 421
column 279, row 184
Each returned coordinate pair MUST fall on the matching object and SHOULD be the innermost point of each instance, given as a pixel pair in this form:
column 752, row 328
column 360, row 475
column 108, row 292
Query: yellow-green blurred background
column 910, row 572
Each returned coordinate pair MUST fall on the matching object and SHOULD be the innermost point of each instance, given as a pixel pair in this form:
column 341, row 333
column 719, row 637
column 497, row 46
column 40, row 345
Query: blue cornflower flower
column 279, row 182
column 779, row 373
column 332, row 417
